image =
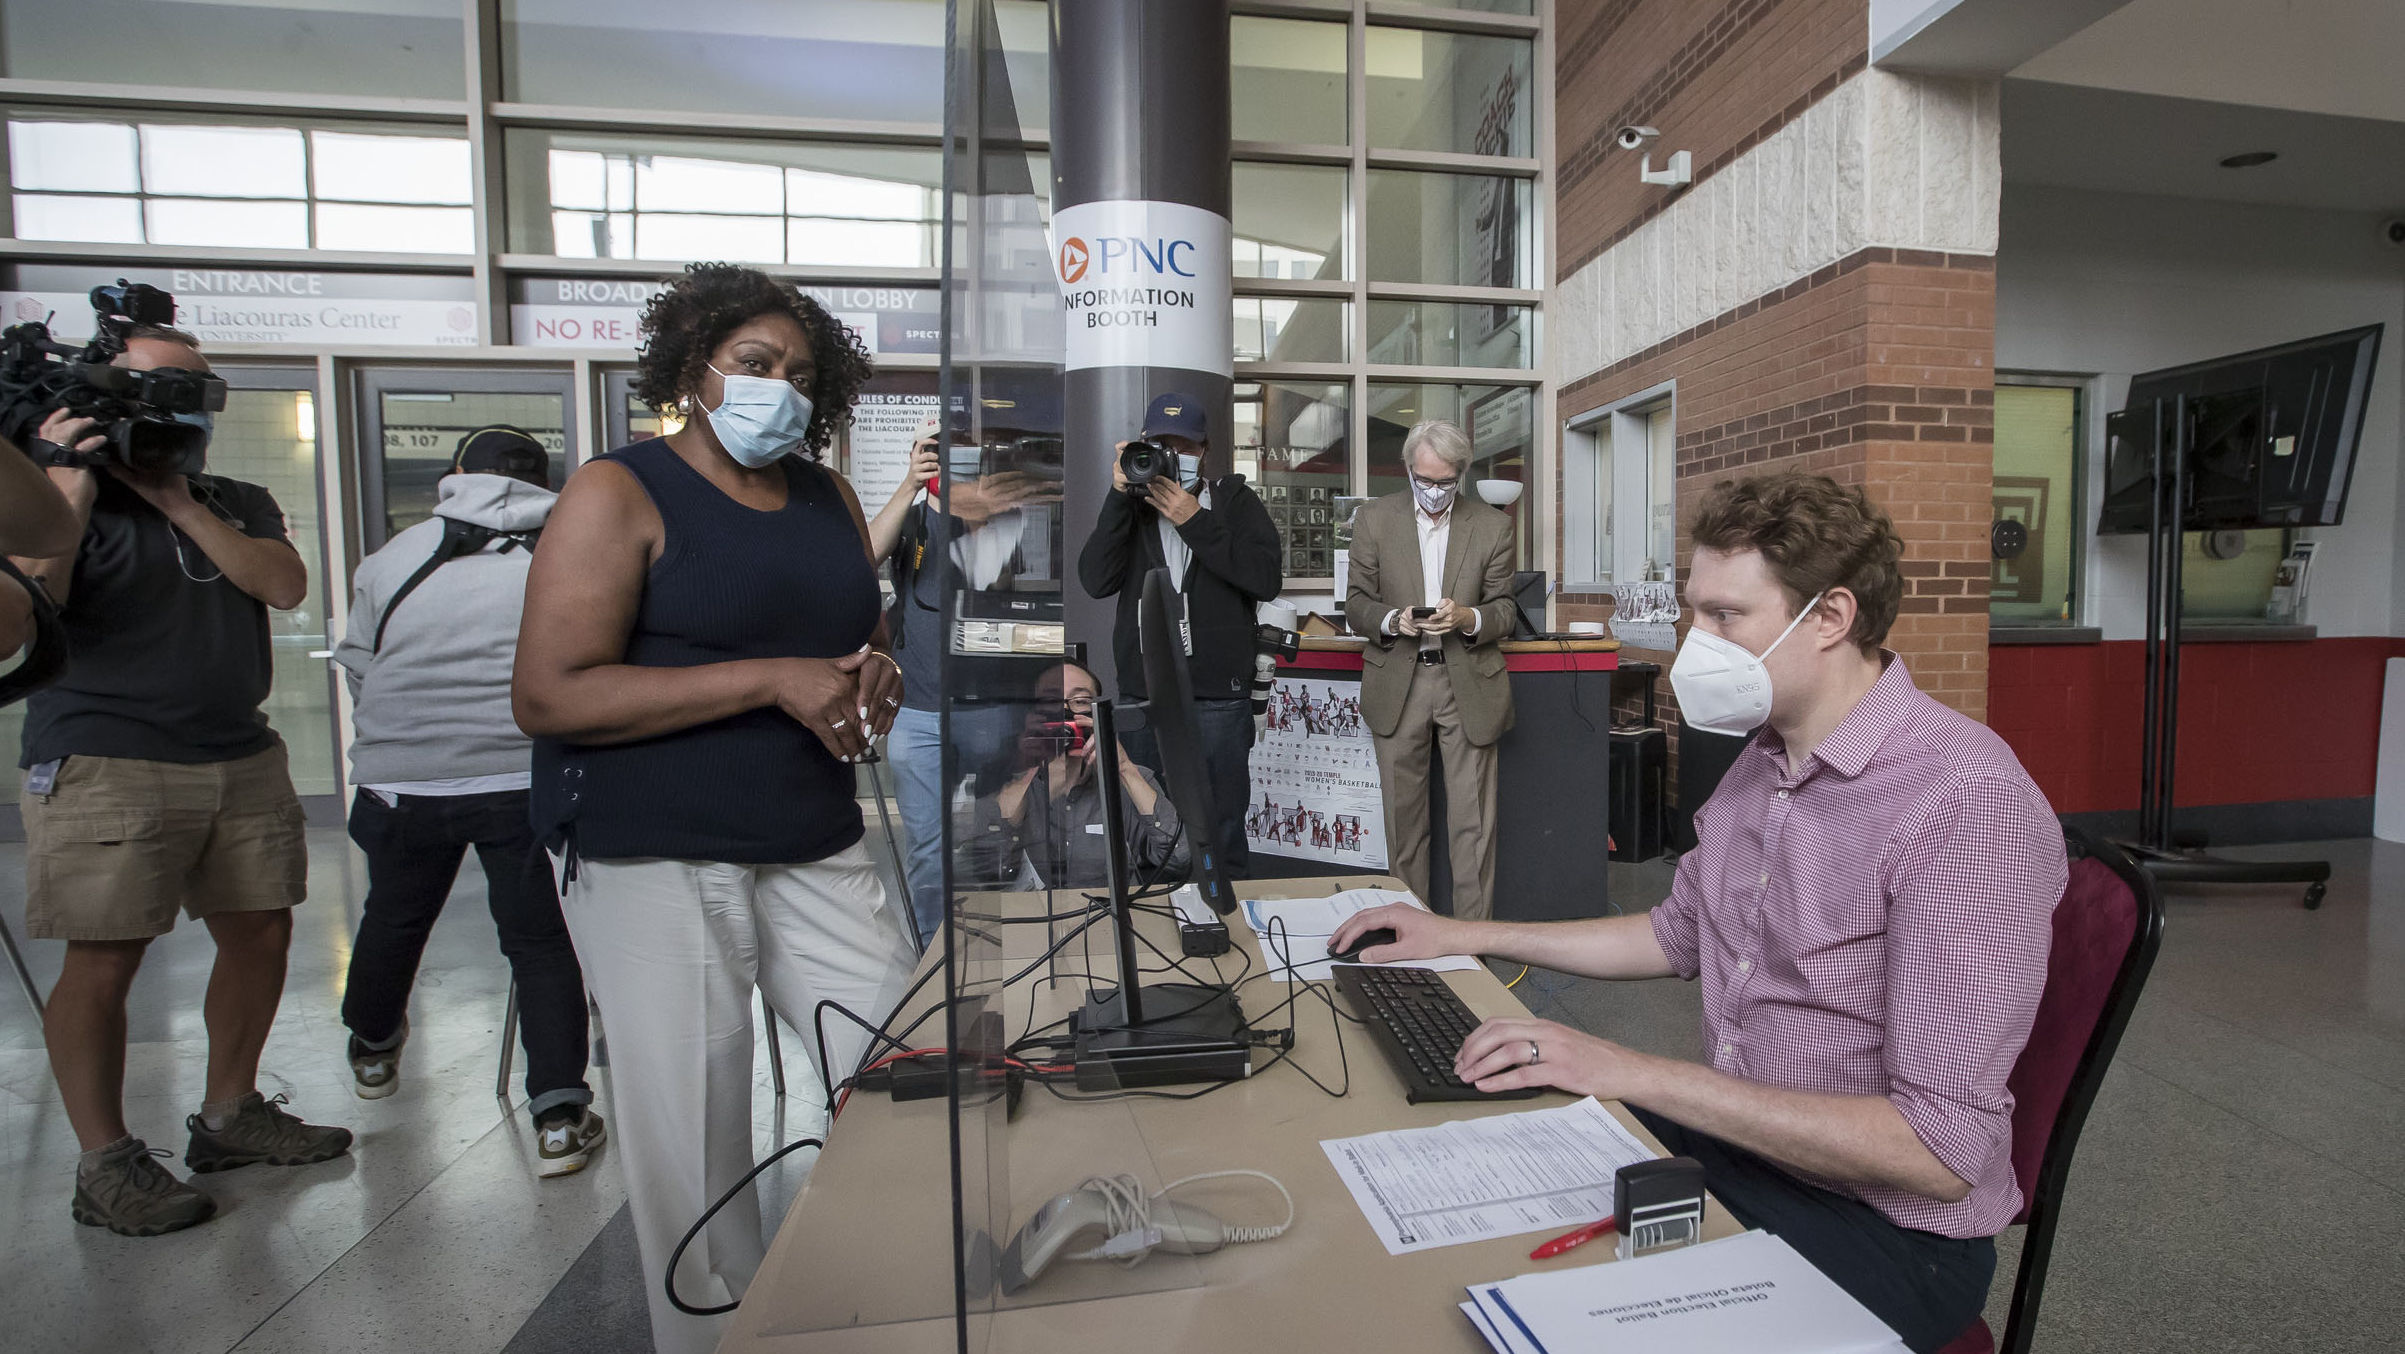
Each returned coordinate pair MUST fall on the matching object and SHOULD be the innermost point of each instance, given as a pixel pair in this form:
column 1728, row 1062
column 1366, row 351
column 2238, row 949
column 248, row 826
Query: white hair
column 1445, row 438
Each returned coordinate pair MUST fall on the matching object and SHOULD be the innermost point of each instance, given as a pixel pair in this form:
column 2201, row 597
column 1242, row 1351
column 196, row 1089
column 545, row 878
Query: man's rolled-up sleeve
column 1972, row 893
column 1677, row 918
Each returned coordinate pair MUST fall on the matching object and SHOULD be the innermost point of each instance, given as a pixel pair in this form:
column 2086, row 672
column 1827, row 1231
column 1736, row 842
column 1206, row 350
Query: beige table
column 863, row 1261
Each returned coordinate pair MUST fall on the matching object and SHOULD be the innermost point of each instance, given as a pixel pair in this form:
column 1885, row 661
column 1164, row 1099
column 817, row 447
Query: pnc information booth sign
column 1145, row 284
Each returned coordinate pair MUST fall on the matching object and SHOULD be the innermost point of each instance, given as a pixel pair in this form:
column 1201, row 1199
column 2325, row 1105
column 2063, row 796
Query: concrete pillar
column 1140, row 242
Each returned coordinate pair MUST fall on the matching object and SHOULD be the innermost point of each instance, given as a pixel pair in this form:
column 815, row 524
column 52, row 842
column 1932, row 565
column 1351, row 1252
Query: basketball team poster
column 1315, row 778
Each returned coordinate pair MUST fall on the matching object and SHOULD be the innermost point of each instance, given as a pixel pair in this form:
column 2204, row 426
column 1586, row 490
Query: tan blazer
column 1385, row 574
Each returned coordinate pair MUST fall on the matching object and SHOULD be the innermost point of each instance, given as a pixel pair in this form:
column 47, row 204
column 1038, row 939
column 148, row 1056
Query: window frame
column 1590, row 459
column 2084, row 409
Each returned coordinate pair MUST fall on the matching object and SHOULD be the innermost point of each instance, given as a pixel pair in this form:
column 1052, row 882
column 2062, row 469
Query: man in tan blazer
column 1435, row 679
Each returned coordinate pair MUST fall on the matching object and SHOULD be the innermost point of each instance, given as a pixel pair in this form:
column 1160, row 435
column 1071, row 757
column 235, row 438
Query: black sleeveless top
column 731, row 583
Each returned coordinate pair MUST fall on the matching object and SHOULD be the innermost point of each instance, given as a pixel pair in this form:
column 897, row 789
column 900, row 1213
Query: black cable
column 668, row 1280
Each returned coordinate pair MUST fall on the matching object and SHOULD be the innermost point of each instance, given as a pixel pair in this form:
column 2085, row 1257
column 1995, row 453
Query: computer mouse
column 1376, row 935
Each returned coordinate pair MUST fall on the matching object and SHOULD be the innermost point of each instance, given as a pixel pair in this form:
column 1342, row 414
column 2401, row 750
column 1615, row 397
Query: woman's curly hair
column 686, row 320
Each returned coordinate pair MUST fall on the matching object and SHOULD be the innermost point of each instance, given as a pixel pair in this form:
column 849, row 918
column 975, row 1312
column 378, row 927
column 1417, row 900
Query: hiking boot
column 131, row 1194
column 565, row 1140
column 261, row 1131
column 376, row 1073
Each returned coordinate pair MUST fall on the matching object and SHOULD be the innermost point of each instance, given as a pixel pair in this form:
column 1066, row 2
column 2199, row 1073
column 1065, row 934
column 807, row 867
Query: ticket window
column 412, row 420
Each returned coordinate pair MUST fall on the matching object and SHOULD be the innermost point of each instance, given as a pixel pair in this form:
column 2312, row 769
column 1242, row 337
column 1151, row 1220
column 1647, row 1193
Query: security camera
column 1632, row 137
column 2393, row 230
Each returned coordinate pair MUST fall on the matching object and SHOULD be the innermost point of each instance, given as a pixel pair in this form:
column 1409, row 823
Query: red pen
column 1569, row 1239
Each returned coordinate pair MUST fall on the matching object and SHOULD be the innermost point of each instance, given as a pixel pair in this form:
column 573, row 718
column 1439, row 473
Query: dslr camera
column 136, row 410
column 1147, row 459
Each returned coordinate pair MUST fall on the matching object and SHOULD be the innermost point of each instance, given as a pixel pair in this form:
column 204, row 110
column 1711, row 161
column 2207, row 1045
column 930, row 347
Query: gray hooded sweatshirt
column 433, row 704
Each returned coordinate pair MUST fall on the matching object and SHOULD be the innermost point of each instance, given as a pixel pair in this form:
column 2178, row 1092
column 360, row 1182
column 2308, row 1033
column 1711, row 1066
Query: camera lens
column 151, row 443
column 1143, row 462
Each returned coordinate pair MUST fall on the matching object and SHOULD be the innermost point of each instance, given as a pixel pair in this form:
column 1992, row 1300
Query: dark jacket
column 1236, row 567
column 1062, row 838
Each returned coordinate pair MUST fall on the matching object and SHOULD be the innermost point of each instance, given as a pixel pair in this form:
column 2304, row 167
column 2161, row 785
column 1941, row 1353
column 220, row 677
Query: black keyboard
column 1420, row 1024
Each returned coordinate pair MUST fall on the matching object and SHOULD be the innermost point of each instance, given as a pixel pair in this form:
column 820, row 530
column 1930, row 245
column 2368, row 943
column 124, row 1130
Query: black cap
column 503, row 450
column 1176, row 415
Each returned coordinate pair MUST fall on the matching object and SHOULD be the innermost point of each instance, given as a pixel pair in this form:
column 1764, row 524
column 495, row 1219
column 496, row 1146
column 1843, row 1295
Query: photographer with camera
column 153, row 781
column 1223, row 556
column 983, row 535
column 1048, row 818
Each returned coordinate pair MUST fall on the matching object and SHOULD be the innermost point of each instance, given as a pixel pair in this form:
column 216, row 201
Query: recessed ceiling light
column 2250, row 159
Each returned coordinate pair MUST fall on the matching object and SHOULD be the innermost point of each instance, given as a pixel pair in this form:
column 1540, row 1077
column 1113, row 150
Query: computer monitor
column 1160, row 619
column 1155, row 1034
column 2271, row 436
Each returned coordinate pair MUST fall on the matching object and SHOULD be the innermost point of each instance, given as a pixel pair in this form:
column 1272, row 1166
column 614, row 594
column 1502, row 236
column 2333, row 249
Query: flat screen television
column 2271, row 436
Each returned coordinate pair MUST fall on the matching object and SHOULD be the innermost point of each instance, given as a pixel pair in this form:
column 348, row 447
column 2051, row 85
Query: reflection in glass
column 610, row 196
column 1451, row 334
column 1449, row 92
column 386, row 48
column 1276, row 329
column 1287, row 80
column 860, row 63
column 1292, row 444
column 1499, row 419
column 1470, row 230
column 422, row 430
column 250, row 186
column 1289, row 221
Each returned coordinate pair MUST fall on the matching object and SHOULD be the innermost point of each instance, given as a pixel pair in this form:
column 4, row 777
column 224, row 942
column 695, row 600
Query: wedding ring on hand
column 837, row 724
column 1535, row 1055
column 891, row 701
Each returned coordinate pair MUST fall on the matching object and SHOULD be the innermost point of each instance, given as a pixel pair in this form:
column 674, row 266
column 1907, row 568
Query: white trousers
column 672, row 950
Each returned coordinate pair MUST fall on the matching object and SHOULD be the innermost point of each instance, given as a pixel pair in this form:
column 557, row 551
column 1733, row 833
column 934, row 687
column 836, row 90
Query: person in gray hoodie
column 439, row 766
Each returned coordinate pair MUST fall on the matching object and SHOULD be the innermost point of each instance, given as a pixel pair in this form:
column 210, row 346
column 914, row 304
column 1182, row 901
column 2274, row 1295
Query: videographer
column 1222, row 553
column 153, row 782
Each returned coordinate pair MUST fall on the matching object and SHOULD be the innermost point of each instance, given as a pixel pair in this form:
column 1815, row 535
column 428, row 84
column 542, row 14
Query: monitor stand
column 1184, row 1033
column 1170, row 1032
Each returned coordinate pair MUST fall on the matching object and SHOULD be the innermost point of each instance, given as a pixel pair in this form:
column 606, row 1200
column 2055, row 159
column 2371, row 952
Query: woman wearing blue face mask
column 702, row 660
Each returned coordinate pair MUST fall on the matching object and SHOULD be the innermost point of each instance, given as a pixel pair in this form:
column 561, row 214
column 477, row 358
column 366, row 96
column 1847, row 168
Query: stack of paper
column 1746, row 1293
column 1294, row 932
column 1475, row 1179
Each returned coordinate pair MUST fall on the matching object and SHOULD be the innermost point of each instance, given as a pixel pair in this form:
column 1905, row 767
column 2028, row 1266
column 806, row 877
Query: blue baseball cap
column 1176, row 415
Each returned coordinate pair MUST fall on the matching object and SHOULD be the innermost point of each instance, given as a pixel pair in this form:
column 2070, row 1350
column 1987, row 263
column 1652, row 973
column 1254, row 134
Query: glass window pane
column 353, row 168
column 1486, row 6
column 1501, row 423
column 256, row 225
column 1449, row 92
column 2229, row 575
column 223, row 161
column 390, row 48
column 396, row 230
column 1661, row 487
column 422, row 431
column 113, row 220
column 880, row 62
column 1287, row 80
column 1291, row 444
column 1447, row 334
column 1275, row 329
column 684, row 197
column 1289, row 221
column 73, row 157
column 2036, row 455
column 1471, row 230
column 740, row 239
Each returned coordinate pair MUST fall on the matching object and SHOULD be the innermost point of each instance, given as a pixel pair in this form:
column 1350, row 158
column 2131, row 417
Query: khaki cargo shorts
column 119, row 844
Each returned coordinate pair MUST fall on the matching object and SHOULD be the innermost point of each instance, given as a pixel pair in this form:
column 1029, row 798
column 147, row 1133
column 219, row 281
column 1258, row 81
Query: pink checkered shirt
column 1877, row 924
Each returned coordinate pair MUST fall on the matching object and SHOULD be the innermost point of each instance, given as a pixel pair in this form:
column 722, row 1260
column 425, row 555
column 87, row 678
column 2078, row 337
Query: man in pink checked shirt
column 1868, row 907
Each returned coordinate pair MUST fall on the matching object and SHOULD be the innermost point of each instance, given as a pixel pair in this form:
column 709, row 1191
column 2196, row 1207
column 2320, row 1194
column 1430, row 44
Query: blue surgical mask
column 203, row 420
column 1189, row 468
column 759, row 419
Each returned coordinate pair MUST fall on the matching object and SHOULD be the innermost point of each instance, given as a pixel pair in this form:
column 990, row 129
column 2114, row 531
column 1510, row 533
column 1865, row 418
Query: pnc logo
column 1073, row 260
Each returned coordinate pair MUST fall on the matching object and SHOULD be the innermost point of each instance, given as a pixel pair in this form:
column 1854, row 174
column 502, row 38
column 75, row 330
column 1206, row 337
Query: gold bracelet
column 897, row 664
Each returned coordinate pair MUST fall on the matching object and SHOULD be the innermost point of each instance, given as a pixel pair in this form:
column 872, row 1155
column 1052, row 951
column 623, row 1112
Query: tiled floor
column 2240, row 1185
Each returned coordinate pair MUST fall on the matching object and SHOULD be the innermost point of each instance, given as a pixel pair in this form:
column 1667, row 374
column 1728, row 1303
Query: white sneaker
column 565, row 1147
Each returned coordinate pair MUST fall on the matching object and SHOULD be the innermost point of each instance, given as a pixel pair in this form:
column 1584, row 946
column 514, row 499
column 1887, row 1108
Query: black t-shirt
column 168, row 660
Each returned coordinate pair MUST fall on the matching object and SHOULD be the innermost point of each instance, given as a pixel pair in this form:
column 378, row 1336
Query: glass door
column 267, row 435
column 412, row 418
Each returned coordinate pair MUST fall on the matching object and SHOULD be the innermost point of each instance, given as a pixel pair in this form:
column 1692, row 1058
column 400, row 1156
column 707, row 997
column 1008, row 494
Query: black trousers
column 1930, row 1288
column 413, row 852
column 1226, row 727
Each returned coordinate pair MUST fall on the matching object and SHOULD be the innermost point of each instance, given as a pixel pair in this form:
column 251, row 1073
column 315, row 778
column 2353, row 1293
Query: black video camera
column 136, row 410
column 1145, row 460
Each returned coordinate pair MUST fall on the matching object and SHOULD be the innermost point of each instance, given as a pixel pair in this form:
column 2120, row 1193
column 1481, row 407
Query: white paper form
column 1473, row 1179
column 1507, row 1340
column 1737, row 1295
column 1307, row 924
